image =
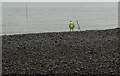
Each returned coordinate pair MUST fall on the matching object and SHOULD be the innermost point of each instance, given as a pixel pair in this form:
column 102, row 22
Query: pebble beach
column 79, row 52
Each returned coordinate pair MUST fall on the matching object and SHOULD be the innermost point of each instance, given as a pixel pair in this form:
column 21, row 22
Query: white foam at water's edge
column 52, row 32
column 29, row 33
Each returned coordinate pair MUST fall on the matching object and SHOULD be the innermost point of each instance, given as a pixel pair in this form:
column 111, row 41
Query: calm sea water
column 55, row 17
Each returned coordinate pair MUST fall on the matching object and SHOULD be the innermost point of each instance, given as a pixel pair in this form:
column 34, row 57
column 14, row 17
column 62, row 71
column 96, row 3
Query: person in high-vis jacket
column 71, row 26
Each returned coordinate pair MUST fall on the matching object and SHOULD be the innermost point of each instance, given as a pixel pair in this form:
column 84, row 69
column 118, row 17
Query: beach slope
column 91, row 52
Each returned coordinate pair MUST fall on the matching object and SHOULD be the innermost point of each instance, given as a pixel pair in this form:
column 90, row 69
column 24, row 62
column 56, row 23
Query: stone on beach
column 93, row 52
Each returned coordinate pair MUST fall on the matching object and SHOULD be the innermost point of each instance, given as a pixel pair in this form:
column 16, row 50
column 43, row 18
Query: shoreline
column 54, row 32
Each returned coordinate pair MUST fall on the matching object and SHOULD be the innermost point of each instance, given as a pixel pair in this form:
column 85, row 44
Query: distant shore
column 85, row 52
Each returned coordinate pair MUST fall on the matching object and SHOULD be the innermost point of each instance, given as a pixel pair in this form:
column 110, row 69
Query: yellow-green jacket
column 71, row 25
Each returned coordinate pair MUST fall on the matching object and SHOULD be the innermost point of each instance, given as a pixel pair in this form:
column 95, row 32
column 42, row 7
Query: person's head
column 70, row 21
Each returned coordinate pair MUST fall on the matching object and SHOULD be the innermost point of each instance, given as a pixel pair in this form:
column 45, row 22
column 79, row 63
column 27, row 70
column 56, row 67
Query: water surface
column 55, row 17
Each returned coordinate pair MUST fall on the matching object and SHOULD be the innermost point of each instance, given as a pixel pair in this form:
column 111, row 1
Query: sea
column 40, row 17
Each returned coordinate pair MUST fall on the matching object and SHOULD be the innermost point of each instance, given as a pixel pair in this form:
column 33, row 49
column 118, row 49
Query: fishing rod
column 76, row 21
column 26, row 14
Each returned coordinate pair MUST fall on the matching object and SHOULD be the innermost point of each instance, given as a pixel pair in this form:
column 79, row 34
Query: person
column 71, row 26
